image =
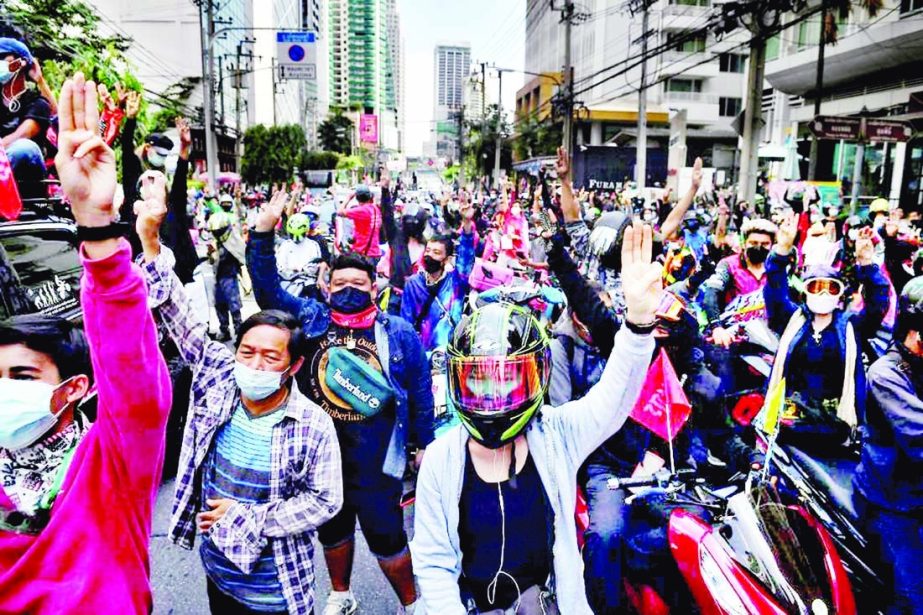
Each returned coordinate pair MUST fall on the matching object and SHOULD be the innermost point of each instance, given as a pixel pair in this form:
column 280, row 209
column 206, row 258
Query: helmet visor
column 819, row 286
column 494, row 385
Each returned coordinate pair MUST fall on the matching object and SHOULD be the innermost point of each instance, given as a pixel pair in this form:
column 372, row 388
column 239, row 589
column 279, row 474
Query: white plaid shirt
column 306, row 484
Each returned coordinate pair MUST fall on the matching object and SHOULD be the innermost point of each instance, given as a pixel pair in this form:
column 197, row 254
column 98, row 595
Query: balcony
column 880, row 48
column 691, row 97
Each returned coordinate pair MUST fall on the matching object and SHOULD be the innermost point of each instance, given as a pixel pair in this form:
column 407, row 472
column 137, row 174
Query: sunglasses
column 819, row 286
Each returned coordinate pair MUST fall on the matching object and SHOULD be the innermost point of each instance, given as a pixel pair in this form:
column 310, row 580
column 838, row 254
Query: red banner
column 662, row 406
column 10, row 204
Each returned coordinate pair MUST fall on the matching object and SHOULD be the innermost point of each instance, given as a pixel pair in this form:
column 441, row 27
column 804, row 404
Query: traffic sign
column 887, row 131
column 863, row 129
column 296, row 53
column 836, row 127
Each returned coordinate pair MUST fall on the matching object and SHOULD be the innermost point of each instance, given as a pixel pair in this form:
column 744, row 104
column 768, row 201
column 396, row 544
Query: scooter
column 756, row 554
column 824, row 486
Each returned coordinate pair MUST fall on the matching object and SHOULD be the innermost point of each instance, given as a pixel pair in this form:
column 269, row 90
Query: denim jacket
column 405, row 364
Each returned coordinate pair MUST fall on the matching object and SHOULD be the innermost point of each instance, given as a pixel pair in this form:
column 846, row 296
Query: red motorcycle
column 752, row 554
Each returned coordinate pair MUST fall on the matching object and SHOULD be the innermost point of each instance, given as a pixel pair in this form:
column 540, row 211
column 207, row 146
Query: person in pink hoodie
column 78, row 494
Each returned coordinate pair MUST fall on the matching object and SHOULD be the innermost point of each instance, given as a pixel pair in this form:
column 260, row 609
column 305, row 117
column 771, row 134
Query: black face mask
column 431, row 265
column 757, row 254
column 350, row 300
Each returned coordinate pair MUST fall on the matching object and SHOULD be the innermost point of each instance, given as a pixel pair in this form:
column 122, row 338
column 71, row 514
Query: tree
column 335, row 132
column 272, row 153
column 482, row 145
column 536, row 138
column 320, row 161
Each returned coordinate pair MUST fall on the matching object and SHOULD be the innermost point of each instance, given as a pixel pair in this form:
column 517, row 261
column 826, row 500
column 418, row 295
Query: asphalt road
column 179, row 583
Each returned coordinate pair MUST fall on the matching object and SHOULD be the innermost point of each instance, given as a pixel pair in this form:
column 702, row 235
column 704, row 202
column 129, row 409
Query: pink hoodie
column 93, row 555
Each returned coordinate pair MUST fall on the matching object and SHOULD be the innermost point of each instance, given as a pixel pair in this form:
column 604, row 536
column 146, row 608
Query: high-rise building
column 473, row 96
column 365, row 63
column 700, row 74
column 451, row 65
column 296, row 101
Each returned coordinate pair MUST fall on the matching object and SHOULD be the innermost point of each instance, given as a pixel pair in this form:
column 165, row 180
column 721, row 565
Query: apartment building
column 451, row 67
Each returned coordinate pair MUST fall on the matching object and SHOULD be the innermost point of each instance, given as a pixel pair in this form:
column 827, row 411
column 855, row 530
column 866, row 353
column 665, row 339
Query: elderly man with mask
column 367, row 370
column 260, row 466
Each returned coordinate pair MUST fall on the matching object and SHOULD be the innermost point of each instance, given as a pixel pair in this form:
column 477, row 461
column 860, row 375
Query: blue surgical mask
column 257, row 384
column 6, row 75
column 25, row 412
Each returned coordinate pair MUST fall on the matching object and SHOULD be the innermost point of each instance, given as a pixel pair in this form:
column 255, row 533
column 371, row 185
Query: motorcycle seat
column 832, row 475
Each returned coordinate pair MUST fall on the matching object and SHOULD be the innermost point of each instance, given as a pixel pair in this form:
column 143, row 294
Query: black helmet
column 910, row 308
column 499, row 369
column 606, row 238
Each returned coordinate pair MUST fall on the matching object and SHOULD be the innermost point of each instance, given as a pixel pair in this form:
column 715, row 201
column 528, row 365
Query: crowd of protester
column 314, row 412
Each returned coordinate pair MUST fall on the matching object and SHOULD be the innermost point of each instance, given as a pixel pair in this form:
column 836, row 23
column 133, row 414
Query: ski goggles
column 491, row 385
column 820, row 286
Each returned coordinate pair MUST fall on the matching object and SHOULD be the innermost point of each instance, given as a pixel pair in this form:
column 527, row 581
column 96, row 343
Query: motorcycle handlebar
column 659, row 478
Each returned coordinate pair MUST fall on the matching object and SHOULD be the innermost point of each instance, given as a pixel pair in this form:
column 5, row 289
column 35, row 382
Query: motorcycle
column 824, row 485
column 546, row 302
column 741, row 550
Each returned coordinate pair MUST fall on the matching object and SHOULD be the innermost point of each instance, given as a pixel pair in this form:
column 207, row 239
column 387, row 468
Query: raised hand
column 642, row 281
column 562, row 164
column 151, row 210
column 697, row 174
column 271, row 212
column 185, row 137
column 85, row 164
column 865, row 249
column 785, row 237
column 132, row 103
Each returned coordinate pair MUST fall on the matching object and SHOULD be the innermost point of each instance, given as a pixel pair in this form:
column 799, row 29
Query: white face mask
column 25, row 412
column 822, row 304
column 257, row 384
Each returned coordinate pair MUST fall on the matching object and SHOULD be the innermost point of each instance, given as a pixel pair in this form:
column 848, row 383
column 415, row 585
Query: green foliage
column 451, row 172
column 536, row 138
column 481, row 145
column 349, row 163
column 335, row 132
column 320, row 161
column 272, row 153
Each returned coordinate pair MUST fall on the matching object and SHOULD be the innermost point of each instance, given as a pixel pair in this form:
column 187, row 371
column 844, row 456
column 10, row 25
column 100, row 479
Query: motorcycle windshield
column 775, row 544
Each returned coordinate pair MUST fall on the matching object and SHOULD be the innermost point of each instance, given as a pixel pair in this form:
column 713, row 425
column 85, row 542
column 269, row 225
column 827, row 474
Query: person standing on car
column 366, row 218
column 24, row 116
column 229, row 257
column 367, row 370
column 889, row 478
column 77, row 496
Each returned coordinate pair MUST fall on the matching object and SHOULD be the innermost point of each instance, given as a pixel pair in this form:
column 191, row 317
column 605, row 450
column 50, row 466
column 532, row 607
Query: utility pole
column 499, row 126
column 567, row 17
column 275, row 87
column 483, row 94
column 207, row 26
column 753, row 119
column 221, row 107
column 641, row 142
column 461, row 146
column 818, row 93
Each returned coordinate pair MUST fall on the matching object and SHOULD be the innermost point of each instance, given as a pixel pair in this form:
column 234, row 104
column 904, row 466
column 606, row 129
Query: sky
column 494, row 28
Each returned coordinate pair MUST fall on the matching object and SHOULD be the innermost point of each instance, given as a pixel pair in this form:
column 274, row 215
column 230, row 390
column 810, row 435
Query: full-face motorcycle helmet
column 606, row 238
column 499, row 367
column 910, row 309
column 298, row 226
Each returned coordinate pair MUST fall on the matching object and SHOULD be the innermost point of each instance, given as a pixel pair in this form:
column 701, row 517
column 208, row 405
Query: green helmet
column 499, row 369
column 298, row 226
column 219, row 224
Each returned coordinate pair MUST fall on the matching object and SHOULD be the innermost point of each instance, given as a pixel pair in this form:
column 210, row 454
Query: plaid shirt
column 306, row 485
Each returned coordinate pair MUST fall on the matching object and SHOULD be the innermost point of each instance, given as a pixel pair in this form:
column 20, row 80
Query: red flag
column 662, row 406
column 10, row 205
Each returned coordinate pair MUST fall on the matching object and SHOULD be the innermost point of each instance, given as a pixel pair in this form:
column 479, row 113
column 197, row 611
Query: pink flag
column 662, row 406
column 10, row 205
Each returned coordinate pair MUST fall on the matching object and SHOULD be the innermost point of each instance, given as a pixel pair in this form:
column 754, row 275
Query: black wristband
column 100, row 233
column 644, row 329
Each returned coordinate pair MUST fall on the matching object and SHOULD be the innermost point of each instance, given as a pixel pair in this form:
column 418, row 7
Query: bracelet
column 99, row 233
column 643, row 329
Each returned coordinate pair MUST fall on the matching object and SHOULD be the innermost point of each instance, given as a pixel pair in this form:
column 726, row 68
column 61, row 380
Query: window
column 729, row 107
column 685, row 42
column 684, row 85
column 731, row 63
column 908, row 6
column 691, row 2
column 39, row 272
